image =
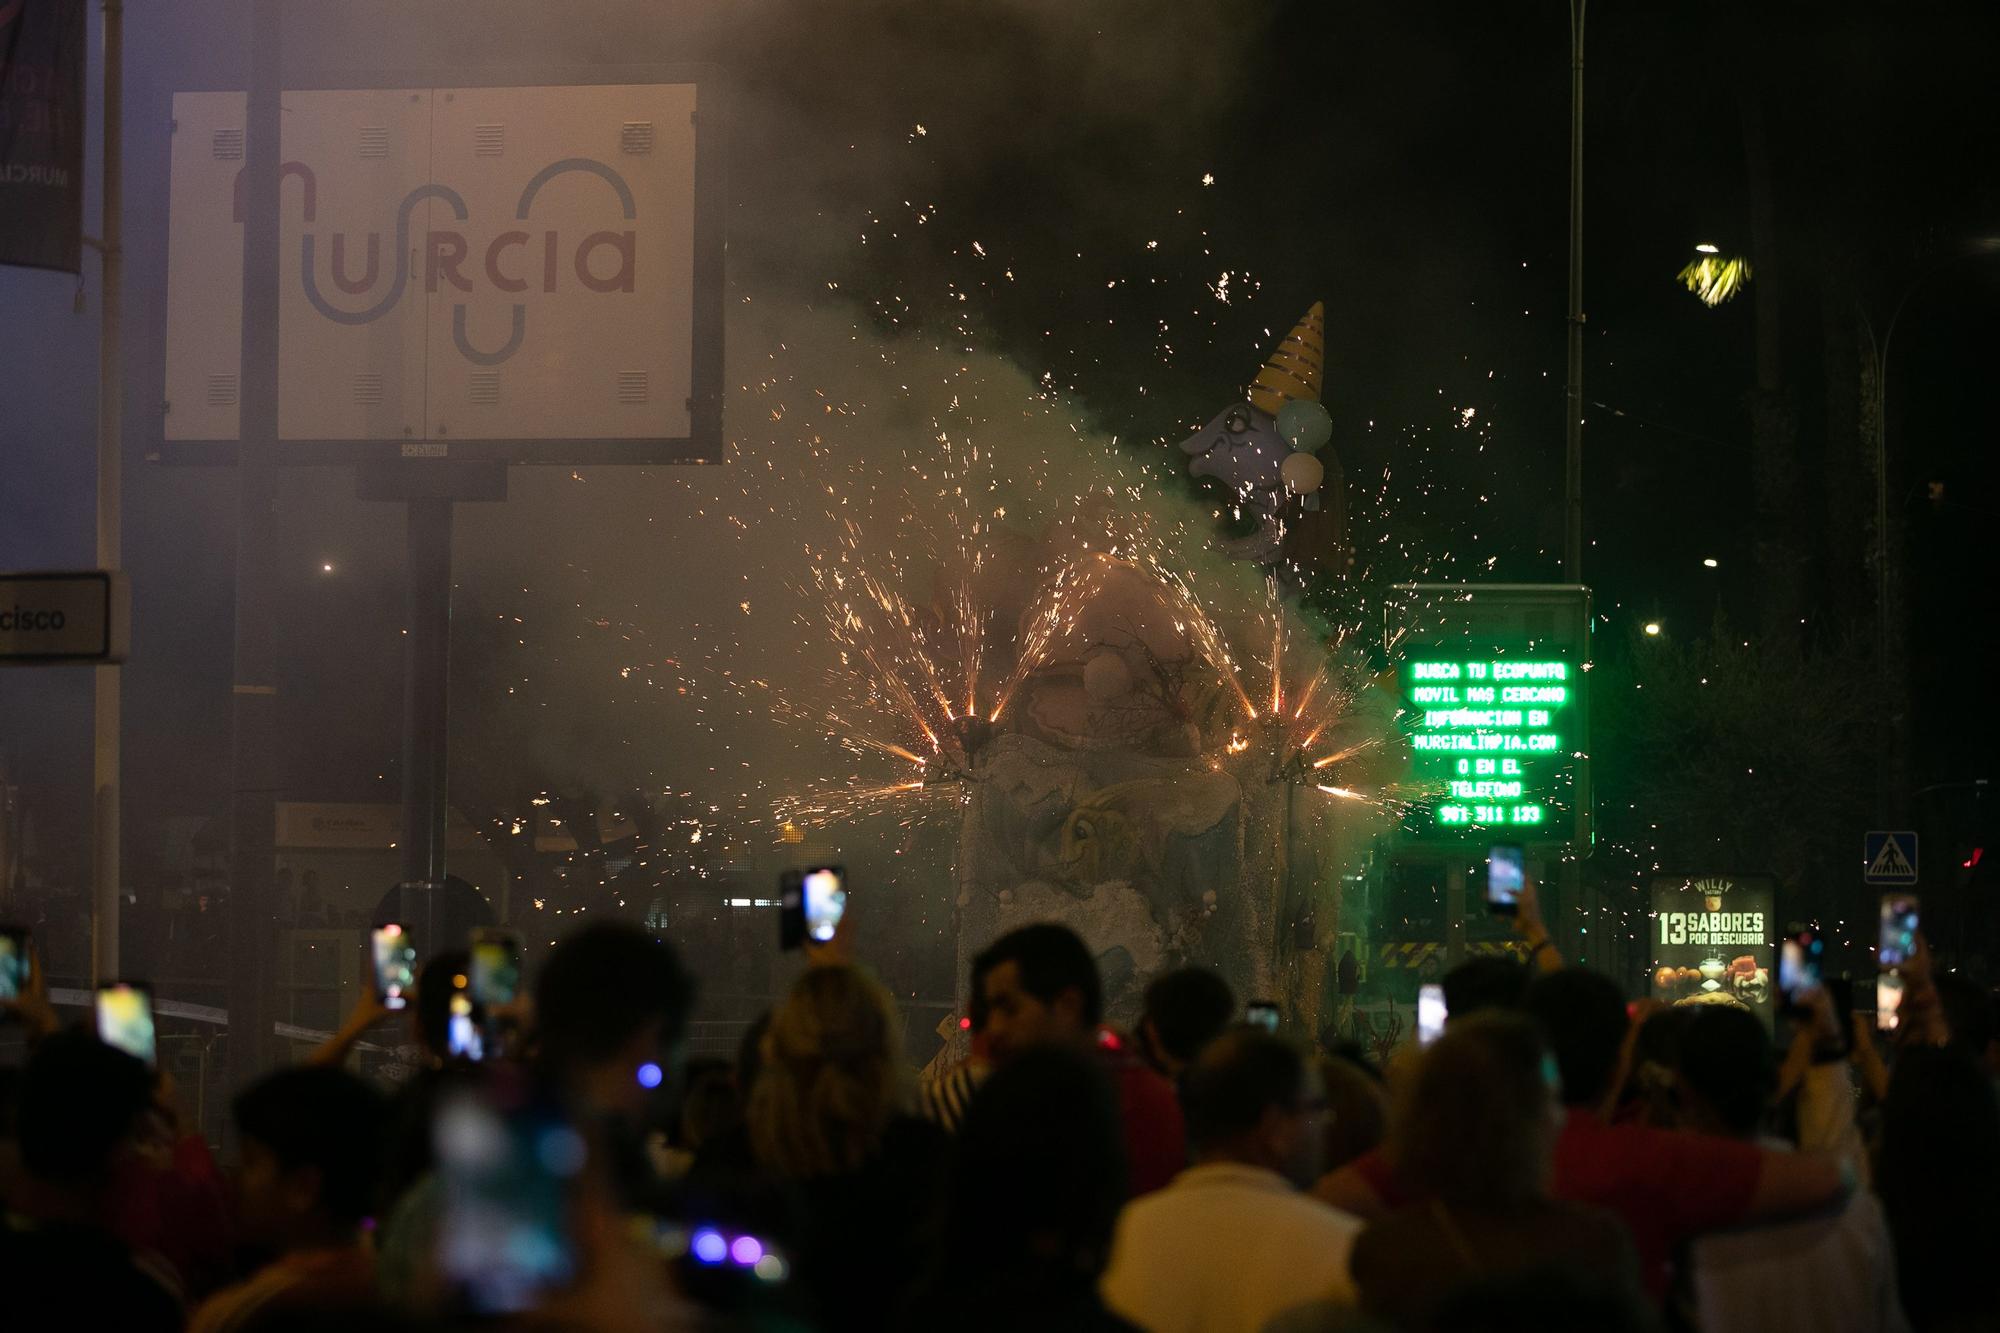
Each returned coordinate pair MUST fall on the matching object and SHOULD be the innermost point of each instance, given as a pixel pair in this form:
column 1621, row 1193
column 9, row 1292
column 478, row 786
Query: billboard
column 41, row 133
column 1493, row 687
column 531, row 274
column 1714, row 940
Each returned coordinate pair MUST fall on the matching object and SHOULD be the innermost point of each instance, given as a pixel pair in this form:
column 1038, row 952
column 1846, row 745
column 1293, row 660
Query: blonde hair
column 832, row 1075
column 1475, row 1123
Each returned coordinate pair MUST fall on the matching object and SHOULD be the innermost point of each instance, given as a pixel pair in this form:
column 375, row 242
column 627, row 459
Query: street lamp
column 1711, row 277
column 1879, row 417
column 1888, row 670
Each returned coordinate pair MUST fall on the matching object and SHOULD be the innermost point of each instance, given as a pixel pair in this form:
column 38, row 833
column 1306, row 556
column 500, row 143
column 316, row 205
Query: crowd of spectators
column 1558, row 1158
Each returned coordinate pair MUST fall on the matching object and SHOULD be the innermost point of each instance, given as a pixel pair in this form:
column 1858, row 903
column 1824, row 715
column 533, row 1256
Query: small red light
column 1977, row 854
column 964, row 1023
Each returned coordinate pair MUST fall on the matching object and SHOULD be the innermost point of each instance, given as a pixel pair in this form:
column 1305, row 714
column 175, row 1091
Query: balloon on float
column 1305, row 424
column 1106, row 677
column 1302, row 473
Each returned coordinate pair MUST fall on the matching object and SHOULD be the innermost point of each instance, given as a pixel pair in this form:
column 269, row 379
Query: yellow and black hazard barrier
column 1415, row 953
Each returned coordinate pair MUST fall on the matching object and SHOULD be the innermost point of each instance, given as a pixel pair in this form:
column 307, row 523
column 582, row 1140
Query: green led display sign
column 1492, row 743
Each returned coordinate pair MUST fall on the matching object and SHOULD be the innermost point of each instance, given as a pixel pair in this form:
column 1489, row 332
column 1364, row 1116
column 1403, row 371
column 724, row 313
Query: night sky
column 1406, row 164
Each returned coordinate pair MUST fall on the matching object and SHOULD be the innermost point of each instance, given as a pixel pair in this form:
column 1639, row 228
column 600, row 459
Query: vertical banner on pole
column 41, row 133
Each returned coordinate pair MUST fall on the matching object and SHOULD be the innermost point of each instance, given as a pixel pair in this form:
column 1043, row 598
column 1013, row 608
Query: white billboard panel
column 513, row 272
column 204, row 343
column 351, row 341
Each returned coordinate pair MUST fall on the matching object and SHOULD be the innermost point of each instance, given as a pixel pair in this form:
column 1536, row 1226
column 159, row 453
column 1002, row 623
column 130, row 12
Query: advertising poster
column 1714, row 941
column 41, row 133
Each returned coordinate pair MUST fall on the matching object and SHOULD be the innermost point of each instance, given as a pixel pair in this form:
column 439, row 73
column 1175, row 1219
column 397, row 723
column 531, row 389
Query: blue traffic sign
column 1890, row 857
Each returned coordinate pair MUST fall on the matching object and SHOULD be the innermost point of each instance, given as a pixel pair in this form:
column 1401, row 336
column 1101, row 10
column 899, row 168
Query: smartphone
column 1841, row 991
column 1504, row 876
column 125, row 1019
column 14, row 963
column 395, row 965
column 506, row 1163
column 1899, row 929
column 464, row 1025
column 1799, row 956
column 1888, row 999
column 1430, row 1014
column 1262, row 1014
column 811, row 903
column 496, row 967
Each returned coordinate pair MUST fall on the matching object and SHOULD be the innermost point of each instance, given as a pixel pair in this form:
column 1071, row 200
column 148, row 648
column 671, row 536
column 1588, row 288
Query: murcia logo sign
column 514, row 272
column 511, row 261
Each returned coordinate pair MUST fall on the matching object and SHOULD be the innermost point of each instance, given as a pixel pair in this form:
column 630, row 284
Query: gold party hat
column 1294, row 369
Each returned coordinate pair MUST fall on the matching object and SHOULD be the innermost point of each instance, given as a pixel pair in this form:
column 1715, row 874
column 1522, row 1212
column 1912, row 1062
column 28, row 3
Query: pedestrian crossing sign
column 1890, row 857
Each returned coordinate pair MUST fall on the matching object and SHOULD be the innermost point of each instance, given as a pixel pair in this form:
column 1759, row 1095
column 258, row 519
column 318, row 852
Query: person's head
column 1039, row 1175
column 1968, row 1013
column 1487, row 981
column 1725, row 1071
column 1357, row 1111
column 435, row 985
column 1251, row 1097
column 611, row 1001
column 1583, row 1020
column 1041, row 986
column 311, row 1155
column 832, row 1075
column 1185, row 1010
column 711, row 1106
column 1475, row 1123
column 80, row 1101
column 1651, row 1094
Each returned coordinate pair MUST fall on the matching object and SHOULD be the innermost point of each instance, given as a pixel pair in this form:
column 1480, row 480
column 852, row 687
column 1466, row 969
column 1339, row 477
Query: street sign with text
column 1493, row 681
column 63, row 617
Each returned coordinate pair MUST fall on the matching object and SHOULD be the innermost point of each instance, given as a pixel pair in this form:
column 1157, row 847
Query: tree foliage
column 1731, row 754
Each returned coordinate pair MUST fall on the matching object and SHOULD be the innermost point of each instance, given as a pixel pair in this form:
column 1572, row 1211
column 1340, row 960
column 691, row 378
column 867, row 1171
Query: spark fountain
column 1115, row 764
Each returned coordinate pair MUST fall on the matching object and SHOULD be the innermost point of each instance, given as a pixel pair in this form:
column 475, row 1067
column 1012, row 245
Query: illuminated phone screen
column 826, row 901
column 395, row 965
column 13, row 963
column 125, row 1020
column 1430, row 1014
column 496, row 971
column 1899, row 929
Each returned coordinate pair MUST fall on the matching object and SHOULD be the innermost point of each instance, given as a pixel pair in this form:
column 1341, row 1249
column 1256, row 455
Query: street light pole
column 105, row 887
column 1573, row 388
column 1888, row 658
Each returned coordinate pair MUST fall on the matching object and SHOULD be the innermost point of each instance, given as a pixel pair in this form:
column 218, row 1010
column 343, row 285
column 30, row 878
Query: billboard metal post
column 106, row 719
column 426, row 692
column 254, row 701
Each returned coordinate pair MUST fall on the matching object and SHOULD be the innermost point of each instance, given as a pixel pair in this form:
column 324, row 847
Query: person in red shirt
column 1041, row 986
column 1667, row 1185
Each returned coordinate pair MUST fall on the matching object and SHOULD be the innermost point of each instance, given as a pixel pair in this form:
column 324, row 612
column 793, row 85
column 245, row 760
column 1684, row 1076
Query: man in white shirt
column 1232, row 1241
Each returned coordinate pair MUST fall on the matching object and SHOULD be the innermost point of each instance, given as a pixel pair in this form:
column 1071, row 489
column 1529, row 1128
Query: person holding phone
column 80, row 1109
column 1667, row 1185
column 1475, row 1138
